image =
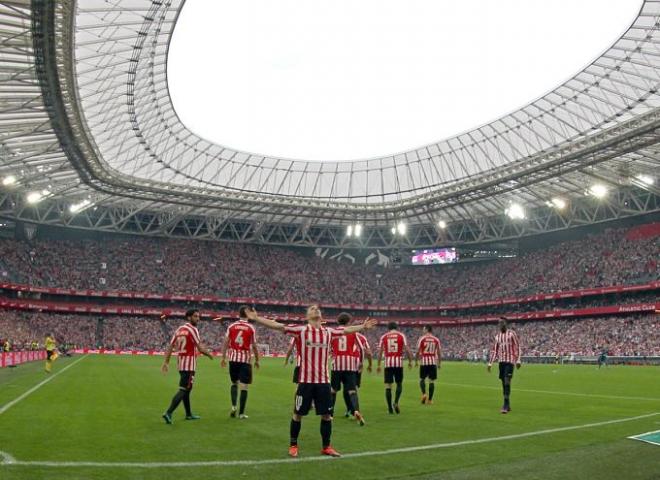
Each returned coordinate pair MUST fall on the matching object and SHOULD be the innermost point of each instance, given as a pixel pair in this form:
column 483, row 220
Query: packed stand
column 626, row 335
column 277, row 273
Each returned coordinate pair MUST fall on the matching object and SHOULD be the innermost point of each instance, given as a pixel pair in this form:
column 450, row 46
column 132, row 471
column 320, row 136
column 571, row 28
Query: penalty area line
column 230, row 463
column 21, row 397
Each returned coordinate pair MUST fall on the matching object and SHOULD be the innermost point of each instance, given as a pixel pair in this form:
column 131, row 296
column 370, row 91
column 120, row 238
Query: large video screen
column 434, row 257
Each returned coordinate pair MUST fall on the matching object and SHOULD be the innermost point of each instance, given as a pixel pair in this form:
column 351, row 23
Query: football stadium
column 201, row 279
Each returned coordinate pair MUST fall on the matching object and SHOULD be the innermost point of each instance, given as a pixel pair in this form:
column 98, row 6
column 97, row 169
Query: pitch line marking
column 552, row 392
column 230, row 463
column 6, row 458
column 8, row 405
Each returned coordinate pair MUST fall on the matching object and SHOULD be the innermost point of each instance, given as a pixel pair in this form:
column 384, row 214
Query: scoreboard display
column 435, row 256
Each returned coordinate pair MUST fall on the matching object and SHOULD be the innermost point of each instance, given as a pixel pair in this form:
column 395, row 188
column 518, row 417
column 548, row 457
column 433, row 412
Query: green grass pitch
column 107, row 410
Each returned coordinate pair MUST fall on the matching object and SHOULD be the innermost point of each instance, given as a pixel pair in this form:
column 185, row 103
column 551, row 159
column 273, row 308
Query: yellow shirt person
column 51, row 351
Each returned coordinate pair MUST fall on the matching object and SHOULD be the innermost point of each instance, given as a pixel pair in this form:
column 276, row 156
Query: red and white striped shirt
column 506, row 348
column 184, row 344
column 393, row 344
column 314, row 351
column 346, row 352
column 428, row 349
column 241, row 335
column 365, row 346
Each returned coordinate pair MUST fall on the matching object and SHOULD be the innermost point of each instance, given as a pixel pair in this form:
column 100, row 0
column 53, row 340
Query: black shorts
column 506, row 370
column 49, row 353
column 393, row 374
column 428, row 371
column 358, row 379
column 343, row 377
column 186, row 379
column 240, row 372
column 319, row 393
column 296, row 374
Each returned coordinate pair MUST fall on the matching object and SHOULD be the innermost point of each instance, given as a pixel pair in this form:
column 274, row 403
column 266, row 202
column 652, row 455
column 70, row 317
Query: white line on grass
column 6, row 458
column 229, row 463
column 552, row 392
column 7, row 406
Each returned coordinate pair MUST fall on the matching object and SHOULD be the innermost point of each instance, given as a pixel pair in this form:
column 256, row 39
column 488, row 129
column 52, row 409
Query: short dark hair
column 392, row 326
column 344, row 318
column 191, row 312
column 242, row 311
column 428, row 328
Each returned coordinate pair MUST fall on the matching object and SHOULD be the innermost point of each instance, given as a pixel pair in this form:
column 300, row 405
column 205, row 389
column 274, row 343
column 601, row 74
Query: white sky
column 354, row 79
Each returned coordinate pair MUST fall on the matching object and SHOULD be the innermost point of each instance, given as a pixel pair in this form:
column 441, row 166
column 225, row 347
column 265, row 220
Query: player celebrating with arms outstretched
column 241, row 338
column 313, row 380
column 506, row 351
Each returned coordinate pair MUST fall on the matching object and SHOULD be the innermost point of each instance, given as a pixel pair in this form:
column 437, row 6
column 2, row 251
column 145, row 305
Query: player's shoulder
column 292, row 327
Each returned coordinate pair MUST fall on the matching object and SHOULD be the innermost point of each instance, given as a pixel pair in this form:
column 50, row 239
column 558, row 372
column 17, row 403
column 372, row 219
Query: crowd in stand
column 628, row 335
column 612, row 257
column 276, row 273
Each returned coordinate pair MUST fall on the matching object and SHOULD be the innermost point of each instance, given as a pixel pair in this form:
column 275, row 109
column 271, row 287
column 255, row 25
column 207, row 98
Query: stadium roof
column 86, row 120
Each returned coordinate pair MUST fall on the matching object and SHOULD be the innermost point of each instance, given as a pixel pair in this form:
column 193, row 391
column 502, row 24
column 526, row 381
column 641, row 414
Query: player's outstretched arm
column 272, row 324
column 369, row 323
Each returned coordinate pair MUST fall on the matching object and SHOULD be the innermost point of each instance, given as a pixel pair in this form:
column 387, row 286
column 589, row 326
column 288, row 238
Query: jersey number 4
column 239, row 338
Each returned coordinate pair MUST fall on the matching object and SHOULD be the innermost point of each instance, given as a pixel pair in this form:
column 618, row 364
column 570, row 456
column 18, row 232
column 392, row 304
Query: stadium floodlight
column 9, row 180
column 442, row 224
column 78, row 207
column 401, row 228
column 598, row 190
column 34, row 197
column 515, row 211
column 357, row 230
column 559, row 203
column 349, row 231
column 393, row 230
column 645, row 179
